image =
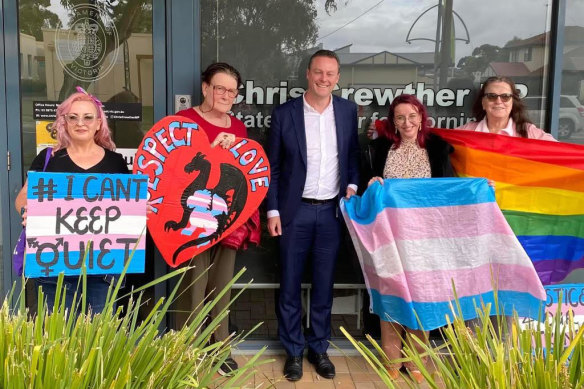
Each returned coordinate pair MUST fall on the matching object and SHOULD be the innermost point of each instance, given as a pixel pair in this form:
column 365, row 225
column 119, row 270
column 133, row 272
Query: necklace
column 204, row 116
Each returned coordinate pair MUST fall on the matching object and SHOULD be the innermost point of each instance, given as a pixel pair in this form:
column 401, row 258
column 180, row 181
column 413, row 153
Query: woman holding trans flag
column 84, row 145
column 408, row 151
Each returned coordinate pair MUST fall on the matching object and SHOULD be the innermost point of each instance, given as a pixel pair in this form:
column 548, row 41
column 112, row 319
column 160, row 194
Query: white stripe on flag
column 46, row 226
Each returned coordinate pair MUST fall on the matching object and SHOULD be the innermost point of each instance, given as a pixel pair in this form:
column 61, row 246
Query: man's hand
column 275, row 226
column 350, row 192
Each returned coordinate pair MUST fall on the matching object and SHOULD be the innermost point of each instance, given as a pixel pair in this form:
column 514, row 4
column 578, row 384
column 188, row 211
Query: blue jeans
column 95, row 294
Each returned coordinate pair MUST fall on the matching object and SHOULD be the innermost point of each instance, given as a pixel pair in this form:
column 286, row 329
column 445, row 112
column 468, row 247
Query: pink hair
column 102, row 136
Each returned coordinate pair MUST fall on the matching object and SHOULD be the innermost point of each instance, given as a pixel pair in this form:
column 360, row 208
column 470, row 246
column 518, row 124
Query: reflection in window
column 104, row 47
column 386, row 48
column 571, row 115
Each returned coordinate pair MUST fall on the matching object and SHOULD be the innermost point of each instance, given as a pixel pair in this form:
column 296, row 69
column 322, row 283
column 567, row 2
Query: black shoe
column 228, row 367
column 323, row 365
column 293, row 368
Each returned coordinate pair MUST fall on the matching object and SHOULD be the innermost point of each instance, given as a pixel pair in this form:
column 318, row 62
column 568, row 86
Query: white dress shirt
column 322, row 157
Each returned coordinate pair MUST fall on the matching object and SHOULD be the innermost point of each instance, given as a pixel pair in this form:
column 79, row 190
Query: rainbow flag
column 423, row 242
column 539, row 187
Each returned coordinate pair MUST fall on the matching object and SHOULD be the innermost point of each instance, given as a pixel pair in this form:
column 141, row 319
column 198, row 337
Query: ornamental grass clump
column 112, row 349
column 533, row 354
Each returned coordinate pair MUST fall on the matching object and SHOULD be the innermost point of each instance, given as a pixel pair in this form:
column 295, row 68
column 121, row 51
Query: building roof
column 348, row 58
column 426, row 58
column 510, row 69
column 574, row 60
column 572, row 34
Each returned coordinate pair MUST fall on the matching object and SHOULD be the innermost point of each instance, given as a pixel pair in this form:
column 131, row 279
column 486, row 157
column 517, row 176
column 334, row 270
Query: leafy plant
column 536, row 355
column 112, row 349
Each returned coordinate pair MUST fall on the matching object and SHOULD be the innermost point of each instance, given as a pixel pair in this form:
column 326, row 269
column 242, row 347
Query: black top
column 438, row 154
column 60, row 162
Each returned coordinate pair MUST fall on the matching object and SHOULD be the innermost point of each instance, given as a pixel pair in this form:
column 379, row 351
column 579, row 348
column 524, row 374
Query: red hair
column 387, row 129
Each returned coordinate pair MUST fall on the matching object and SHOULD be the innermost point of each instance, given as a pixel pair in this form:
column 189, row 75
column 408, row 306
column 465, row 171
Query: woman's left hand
column 491, row 183
column 374, row 180
column 224, row 139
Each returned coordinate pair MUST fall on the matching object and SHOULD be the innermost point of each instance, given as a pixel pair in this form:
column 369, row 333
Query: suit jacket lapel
column 338, row 127
column 298, row 121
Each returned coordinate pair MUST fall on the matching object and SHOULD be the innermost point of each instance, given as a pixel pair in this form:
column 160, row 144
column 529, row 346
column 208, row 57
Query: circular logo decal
column 88, row 50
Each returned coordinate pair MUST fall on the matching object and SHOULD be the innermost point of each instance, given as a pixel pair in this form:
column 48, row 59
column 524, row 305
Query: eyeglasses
column 412, row 118
column 505, row 97
column 74, row 119
column 220, row 90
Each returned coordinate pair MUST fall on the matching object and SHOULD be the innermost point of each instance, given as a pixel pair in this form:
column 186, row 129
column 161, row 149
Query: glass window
column 104, row 47
column 571, row 107
column 439, row 53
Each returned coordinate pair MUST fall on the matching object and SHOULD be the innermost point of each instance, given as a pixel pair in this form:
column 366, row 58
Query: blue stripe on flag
column 434, row 315
column 551, row 247
column 34, row 270
column 418, row 193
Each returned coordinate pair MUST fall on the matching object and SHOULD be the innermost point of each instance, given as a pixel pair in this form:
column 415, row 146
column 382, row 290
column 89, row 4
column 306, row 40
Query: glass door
column 104, row 46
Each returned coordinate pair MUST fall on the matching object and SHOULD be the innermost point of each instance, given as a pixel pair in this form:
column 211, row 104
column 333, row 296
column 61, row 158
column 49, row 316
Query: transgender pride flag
column 417, row 238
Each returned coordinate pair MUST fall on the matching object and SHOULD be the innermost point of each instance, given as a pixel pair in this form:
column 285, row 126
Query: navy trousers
column 314, row 232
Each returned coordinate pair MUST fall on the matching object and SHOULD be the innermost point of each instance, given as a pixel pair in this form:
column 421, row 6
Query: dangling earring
column 396, row 130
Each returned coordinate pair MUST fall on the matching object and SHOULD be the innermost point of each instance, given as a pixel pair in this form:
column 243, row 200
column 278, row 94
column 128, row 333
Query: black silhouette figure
column 232, row 187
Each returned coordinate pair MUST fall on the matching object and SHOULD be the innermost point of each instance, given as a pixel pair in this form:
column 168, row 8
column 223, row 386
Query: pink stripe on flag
column 217, row 204
column 130, row 208
column 428, row 223
column 436, row 286
column 74, row 240
column 202, row 216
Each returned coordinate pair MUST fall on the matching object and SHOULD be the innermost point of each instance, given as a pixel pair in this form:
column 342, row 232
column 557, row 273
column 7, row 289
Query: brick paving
column 352, row 372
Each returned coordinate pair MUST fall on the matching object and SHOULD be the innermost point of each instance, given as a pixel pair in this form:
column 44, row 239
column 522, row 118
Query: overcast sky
column 374, row 25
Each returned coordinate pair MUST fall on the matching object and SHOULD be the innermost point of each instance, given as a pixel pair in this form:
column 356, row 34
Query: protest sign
column 565, row 300
column 99, row 217
column 199, row 194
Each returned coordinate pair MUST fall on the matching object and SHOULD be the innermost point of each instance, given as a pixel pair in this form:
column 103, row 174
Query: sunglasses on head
column 505, row 97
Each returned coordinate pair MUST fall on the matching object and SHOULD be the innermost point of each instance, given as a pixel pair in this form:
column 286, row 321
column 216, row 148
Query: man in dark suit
column 314, row 156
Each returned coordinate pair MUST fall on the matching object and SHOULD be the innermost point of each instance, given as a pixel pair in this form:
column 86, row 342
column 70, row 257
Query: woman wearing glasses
column 220, row 87
column 408, row 150
column 84, row 145
column 499, row 110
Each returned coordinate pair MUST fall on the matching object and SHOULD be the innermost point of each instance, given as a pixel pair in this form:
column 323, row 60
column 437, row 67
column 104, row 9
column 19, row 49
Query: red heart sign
column 199, row 194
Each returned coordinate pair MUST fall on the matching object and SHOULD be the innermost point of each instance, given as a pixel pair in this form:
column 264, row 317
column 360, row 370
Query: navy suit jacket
column 287, row 153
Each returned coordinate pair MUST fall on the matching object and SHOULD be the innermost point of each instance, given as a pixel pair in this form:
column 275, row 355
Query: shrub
column 537, row 355
column 112, row 349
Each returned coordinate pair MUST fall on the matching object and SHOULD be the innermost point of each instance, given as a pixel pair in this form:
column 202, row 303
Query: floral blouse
column 407, row 161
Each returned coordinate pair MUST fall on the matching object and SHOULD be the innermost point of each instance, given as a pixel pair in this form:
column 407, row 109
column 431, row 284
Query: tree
column 255, row 37
column 34, row 16
column 481, row 57
column 128, row 16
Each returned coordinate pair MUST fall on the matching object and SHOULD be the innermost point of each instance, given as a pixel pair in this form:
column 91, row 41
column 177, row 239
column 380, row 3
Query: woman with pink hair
column 84, row 145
